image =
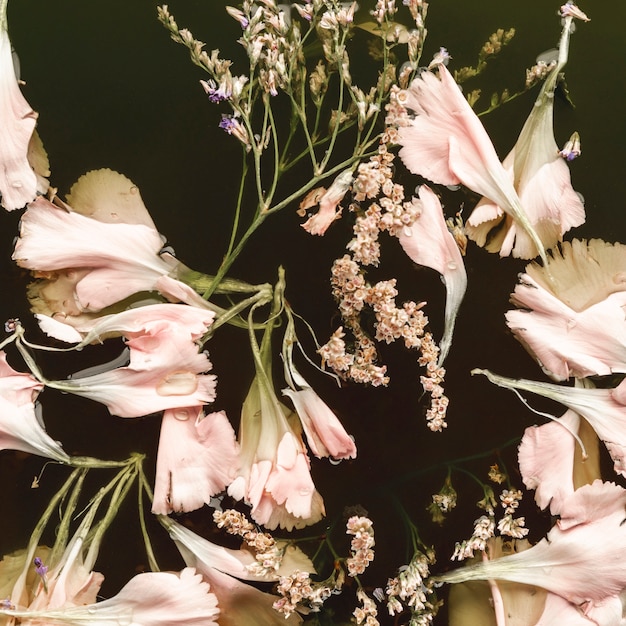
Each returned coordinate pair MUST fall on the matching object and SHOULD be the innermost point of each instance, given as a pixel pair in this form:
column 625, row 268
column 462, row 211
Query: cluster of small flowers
column 508, row 525
column 297, row 589
column 484, row 529
column 443, row 502
column 496, row 475
column 359, row 366
column 412, row 588
column 367, row 612
column 267, row 552
column 538, row 72
column 495, row 42
column 361, row 545
column 431, row 382
column 384, row 10
column 272, row 42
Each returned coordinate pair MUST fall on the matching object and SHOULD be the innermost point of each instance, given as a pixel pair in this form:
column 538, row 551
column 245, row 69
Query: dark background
column 113, row 90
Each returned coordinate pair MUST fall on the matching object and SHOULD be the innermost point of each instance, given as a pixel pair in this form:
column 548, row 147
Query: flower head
column 18, row 182
column 572, row 319
column 446, row 143
column 20, row 428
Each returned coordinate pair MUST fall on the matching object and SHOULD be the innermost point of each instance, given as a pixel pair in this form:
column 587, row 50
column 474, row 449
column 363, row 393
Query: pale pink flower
column 86, row 262
column 541, row 178
column 427, row 241
column 198, row 457
column 324, row 432
column 18, row 183
column 150, row 599
column 175, row 377
column 582, row 557
column 558, row 610
column 223, row 568
column 447, row 144
column 275, row 476
column 20, row 428
column 572, row 320
column 156, row 323
column 551, row 461
column 604, row 409
column 328, row 200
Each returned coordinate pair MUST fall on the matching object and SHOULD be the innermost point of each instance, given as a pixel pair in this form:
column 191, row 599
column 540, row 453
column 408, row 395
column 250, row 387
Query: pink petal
column 197, row 458
column 18, row 183
column 428, row 242
column 324, row 432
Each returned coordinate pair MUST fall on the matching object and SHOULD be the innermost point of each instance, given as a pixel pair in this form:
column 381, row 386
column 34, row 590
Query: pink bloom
column 324, row 433
column 175, row 377
column 151, row 326
column 240, row 604
column 572, row 321
column 198, row 457
column 558, row 610
column 150, row 599
column 86, row 262
column 551, row 461
column 428, row 242
column 18, row 183
column 329, row 201
column 20, row 429
column 541, row 178
column 604, row 409
column 447, row 144
column 275, row 477
column 582, row 557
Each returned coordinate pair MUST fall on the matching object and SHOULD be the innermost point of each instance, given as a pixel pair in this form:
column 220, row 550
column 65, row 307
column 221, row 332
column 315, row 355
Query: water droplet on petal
column 334, row 461
column 453, row 187
column 177, row 384
column 408, row 231
column 305, row 491
column 17, row 184
column 182, row 414
column 582, row 198
column 451, row 265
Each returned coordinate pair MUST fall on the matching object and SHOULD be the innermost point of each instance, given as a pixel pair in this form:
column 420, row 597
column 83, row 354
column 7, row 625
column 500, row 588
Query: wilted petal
column 109, row 197
column 328, row 202
column 198, row 457
column 428, row 242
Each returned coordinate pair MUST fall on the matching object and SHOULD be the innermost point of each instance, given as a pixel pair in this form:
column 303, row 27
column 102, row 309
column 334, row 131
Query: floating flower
column 446, row 143
column 582, row 557
column 541, row 178
column 18, row 182
column 572, row 320
column 324, row 432
column 604, row 409
column 224, row 569
column 427, row 241
column 176, row 378
column 88, row 262
column 275, row 476
column 552, row 463
column 198, row 457
column 150, row 599
column 20, row 429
